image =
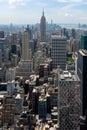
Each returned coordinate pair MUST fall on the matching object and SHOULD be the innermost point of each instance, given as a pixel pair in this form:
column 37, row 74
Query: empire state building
column 43, row 28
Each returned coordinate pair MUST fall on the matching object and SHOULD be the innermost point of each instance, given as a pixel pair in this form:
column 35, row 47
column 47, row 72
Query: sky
column 30, row 11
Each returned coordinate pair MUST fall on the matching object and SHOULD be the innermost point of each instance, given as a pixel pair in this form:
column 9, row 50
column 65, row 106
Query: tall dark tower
column 84, row 41
column 43, row 28
column 82, row 73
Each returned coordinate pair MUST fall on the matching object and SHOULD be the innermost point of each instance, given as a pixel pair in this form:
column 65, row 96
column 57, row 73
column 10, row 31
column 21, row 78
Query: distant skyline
column 30, row 11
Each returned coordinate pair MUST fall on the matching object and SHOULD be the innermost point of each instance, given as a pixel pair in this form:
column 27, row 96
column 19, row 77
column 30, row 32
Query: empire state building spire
column 43, row 28
column 43, row 12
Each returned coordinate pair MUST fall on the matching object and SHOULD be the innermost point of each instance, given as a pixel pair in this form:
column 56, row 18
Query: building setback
column 25, row 66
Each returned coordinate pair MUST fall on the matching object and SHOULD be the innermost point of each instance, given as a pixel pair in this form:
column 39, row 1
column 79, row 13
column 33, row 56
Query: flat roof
column 68, row 76
column 83, row 52
column 58, row 37
column 1, row 96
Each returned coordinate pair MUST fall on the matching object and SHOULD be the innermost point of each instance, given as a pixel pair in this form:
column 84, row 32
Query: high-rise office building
column 14, row 39
column 30, row 32
column 8, row 110
column 43, row 28
column 82, row 73
column 25, row 45
column 35, row 98
column 25, row 66
column 58, row 52
column 2, row 47
column 42, row 103
column 68, row 100
column 73, row 33
column 0, row 57
column 1, row 34
column 84, row 42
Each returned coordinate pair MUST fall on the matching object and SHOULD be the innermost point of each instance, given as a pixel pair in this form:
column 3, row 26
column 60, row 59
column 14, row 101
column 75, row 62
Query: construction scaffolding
column 68, row 100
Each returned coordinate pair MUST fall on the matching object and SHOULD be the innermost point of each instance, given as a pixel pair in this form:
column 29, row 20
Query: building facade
column 82, row 73
column 25, row 45
column 2, row 47
column 8, row 110
column 68, row 100
column 84, row 42
column 25, row 66
column 58, row 51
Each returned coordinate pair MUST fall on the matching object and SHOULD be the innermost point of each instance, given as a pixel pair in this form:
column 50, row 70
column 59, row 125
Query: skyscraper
column 58, row 52
column 25, row 45
column 14, row 39
column 43, row 28
column 2, row 47
column 82, row 73
column 68, row 100
column 25, row 66
column 84, row 42
column 2, row 34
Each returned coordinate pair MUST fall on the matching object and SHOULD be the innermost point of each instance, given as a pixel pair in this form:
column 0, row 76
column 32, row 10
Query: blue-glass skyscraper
column 84, row 42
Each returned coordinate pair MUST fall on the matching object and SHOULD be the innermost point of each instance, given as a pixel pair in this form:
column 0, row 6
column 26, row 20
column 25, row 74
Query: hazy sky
column 30, row 11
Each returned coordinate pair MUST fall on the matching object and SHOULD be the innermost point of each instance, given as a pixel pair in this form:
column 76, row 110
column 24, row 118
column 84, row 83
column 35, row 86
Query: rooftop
column 68, row 76
column 83, row 52
column 57, row 37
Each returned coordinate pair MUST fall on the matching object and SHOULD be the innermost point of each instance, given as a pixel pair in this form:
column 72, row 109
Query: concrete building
column 9, row 88
column 42, row 103
column 2, row 74
column 3, row 46
column 54, row 98
column 2, row 34
column 14, row 39
column 68, row 100
column 13, row 87
column 25, row 66
column 35, row 98
column 32, row 46
column 24, row 69
column 43, row 28
column 15, row 60
column 1, row 109
column 0, row 57
column 73, row 45
column 10, row 74
column 58, row 51
column 6, row 55
column 18, row 104
column 25, row 45
column 44, row 71
column 39, row 58
column 8, row 110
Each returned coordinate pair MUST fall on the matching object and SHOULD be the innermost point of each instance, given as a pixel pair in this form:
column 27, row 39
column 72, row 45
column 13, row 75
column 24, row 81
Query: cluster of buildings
column 43, row 78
